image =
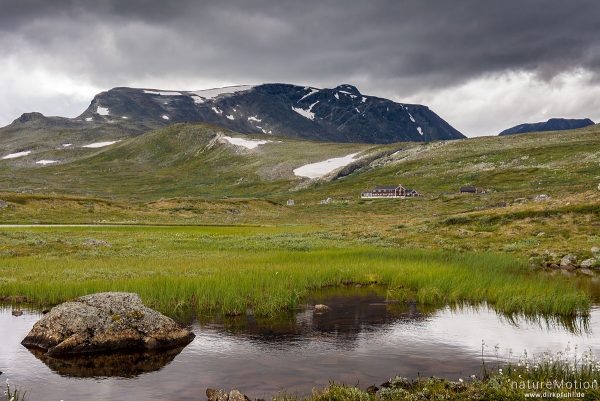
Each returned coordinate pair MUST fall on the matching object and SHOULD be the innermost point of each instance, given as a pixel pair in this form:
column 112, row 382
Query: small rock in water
column 216, row 395
column 586, row 271
column 17, row 312
column 221, row 395
column 105, row 322
column 320, row 308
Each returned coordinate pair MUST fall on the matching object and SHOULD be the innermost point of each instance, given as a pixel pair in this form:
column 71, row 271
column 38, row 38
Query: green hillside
column 181, row 160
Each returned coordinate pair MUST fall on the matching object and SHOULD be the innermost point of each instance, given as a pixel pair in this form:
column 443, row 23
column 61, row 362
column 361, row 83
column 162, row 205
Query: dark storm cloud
column 391, row 48
column 435, row 42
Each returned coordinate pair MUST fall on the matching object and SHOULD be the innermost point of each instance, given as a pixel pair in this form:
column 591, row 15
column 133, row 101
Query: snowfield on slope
column 320, row 169
column 306, row 113
column 99, row 144
column 213, row 93
column 163, row 93
column 15, row 155
column 246, row 143
column 103, row 111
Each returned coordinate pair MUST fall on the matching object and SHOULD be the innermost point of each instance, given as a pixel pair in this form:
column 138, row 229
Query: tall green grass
column 267, row 281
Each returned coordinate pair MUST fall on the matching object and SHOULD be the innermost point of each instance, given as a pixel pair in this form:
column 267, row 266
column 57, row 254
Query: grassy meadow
column 266, row 269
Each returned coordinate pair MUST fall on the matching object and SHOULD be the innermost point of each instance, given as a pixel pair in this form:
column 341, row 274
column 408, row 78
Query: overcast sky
column 481, row 65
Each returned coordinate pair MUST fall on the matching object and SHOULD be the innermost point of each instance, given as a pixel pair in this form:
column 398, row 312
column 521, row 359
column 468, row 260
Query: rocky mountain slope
column 553, row 124
column 341, row 114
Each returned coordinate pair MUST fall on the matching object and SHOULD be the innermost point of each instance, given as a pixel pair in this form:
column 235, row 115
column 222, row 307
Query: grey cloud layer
column 391, row 48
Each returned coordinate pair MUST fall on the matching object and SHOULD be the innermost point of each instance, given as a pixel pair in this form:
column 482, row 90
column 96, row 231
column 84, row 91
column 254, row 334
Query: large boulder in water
column 105, row 322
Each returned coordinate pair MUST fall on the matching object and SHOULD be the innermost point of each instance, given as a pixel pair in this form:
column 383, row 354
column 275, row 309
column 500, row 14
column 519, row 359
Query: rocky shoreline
column 585, row 264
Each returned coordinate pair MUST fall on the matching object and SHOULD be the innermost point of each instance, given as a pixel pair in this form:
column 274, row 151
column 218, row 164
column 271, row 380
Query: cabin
column 389, row 191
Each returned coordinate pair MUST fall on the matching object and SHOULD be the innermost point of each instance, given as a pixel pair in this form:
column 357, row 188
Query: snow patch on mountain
column 165, row 117
column 45, row 162
column 420, row 130
column 197, row 99
column 216, row 110
column 163, row 93
column 320, row 169
column 230, row 117
column 349, row 94
column 99, row 144
column 306, row 113
column 254, row 118
column 17, row 154
column 103, row 111
column 215, row 92
column 312, row 92
column 246, row 143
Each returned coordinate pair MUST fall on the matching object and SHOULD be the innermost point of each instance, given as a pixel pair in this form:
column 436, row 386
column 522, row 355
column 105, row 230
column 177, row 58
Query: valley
column 243, row 231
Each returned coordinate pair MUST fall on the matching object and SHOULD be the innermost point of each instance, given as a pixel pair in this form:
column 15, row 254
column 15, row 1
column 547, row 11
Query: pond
column 361, row 340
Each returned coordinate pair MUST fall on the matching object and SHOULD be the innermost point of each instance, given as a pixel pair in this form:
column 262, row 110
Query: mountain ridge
column 553, row 124
column 341, row 114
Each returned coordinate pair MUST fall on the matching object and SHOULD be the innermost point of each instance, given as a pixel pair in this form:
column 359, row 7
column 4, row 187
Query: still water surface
column 363, row 340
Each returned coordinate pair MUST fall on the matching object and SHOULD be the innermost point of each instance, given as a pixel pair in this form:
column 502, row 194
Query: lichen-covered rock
column 105, row 322
column 588, row 263
column 236, row 395
column 568, row 262
column 216, row 395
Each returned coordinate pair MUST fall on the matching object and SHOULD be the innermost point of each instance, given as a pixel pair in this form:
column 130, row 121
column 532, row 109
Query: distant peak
column 26, row 117
column 571, row 120
column 553, row 124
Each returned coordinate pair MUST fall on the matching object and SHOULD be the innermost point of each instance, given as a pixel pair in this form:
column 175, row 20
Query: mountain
column 341, row 114
column 553, row 124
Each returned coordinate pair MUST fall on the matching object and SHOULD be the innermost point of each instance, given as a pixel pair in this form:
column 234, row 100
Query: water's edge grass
column 267, row 281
